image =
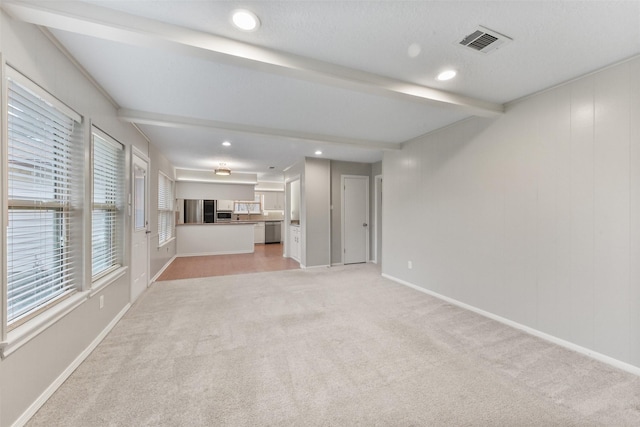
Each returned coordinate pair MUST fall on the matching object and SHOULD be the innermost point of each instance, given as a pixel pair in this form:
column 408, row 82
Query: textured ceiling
column 335, row 70
column 561, row 38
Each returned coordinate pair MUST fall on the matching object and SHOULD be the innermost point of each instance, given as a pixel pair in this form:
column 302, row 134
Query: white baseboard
column 336, row 264
column 33, row 408
column 215, row 253
column 543, row 335
column 314, row 266
column 164, row 267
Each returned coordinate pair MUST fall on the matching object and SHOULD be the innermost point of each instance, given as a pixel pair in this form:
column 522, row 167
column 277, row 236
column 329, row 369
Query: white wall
column 269, row 186
column 213, row 191
column 33, row 368
column 316, row 214
column 534, row 216
column 215, row 239
column 159, row 256
column 295, row 200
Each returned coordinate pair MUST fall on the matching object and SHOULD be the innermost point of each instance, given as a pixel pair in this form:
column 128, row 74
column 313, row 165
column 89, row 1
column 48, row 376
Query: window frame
column 166, row 212
column 248, row 207
column 64, row 211
column 118, row 225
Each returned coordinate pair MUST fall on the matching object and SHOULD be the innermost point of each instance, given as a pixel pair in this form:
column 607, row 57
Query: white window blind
column 41, row 185
column 106, row 214
column 166, row 216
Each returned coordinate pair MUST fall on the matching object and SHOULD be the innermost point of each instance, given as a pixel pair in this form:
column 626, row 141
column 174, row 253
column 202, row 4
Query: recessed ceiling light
column 318, row 153
column 447, row 75
column 245, row 20
column 226, row 144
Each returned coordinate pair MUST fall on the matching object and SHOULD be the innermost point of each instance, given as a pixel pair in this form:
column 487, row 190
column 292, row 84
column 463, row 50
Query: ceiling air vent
column 484, row 40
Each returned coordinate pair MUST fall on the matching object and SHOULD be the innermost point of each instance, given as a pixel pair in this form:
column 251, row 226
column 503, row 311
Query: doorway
column 355, row 219
column 140, row 225
column 292, row 223
column 377, row 230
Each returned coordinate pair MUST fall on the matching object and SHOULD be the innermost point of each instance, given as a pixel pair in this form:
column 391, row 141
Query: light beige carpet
column 339, row 346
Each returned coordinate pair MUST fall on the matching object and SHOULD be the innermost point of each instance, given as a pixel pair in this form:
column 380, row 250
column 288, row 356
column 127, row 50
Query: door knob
column 364, row 224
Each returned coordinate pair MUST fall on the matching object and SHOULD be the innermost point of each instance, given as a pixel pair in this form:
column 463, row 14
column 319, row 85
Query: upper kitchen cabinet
column 273, row 201
column 225, row 205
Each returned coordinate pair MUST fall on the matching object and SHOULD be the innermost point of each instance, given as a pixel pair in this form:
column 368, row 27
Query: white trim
column 138, row 152
column 516, row 101
column 95, row 21
column 165, row 243
column 106, row 137
column 304, row 267
column 87, row 214
column 4, row 189
column 37, row 404
column 342, row 213
column 287, row 213
column 527, row 329
column 24, row 333
column 103, row 280
column 41, row 92
column 337, row 264
column 172, row 186
column 144, row 158
column 106, row 280
column 173, row 121
column 164, row 267
column 214, row 253
column 377, row 185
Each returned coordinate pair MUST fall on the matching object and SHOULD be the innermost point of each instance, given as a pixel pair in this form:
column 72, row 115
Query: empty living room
column 319, row 213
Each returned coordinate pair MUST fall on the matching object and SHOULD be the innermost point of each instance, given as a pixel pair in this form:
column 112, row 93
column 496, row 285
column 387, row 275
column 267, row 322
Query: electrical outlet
column 409, row 265
column 101, row 302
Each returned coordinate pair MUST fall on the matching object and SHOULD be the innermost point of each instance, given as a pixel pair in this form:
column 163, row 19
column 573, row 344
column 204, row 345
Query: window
column 246, row 207
column 166, row 215
column 44, row 182
column 106, row 213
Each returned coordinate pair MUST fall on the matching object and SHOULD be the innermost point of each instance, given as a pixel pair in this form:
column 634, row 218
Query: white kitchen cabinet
column 225, row 205
column 258, row 232
column 294, row 242
column 273, row 201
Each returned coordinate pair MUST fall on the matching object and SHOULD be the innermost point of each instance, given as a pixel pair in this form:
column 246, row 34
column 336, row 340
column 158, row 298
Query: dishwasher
column 272, row 231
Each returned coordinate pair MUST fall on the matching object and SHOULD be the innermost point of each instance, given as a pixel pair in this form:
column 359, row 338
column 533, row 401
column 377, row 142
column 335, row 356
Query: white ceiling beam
column 155, row 119
column 91, row 20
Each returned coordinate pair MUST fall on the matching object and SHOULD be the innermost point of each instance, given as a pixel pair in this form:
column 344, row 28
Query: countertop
column 236, row 222
column 221, row 223
column 256, row 220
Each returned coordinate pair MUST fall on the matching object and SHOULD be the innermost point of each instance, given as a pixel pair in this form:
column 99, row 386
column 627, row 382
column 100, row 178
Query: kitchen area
column 218, row 227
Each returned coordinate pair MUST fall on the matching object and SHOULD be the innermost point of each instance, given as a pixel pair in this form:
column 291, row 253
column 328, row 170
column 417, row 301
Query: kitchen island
column 215, row 239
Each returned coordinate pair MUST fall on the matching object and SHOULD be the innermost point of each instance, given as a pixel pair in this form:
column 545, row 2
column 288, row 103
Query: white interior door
column 355, row 219
column 140, row 237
